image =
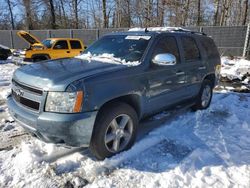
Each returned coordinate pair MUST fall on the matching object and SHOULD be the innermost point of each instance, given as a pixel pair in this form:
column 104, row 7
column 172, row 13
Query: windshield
column 127, row 48
column 48, row 43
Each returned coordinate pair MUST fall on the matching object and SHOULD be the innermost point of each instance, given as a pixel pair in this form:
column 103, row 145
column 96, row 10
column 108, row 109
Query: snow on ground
column 209, row 148
column 7, row 70
column 8, row 128
column 235, row 69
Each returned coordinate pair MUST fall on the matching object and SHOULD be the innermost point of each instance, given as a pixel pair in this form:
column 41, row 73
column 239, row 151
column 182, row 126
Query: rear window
column 210, row 47
column 75, row 44
column 191, row 50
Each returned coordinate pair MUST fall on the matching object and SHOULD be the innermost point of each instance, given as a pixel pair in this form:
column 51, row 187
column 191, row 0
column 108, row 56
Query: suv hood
column 29, row 38
column 56, row 75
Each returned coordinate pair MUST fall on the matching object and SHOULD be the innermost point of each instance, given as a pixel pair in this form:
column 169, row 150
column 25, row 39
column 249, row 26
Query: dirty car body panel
column 152, row 89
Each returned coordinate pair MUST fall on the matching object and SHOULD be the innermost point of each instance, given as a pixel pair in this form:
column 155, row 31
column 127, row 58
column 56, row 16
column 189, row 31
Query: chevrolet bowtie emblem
column 18, row 92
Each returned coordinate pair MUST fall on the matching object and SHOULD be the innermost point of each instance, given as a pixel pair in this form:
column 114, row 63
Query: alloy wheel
column 118, row 133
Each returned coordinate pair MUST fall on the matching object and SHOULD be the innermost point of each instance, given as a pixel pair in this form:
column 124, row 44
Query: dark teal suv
column 97, row 99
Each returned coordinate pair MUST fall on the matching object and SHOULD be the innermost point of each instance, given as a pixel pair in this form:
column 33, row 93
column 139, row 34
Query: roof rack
column 189, row 31
column 166, row 29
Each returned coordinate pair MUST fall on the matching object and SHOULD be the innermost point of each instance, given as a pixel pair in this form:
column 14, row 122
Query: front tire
column 37, row 59
column 114, row 131
column 205, row 96
column 3, row 57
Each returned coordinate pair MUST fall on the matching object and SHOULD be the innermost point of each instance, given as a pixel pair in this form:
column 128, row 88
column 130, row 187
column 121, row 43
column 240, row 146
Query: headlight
column 64, row 102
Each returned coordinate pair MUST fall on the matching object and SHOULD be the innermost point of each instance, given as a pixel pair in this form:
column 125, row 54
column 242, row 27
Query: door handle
column 180, row 73
column 202, row 68
column 68, row 52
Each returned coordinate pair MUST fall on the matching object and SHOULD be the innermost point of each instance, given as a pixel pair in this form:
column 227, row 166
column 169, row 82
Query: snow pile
column 31, row 164
column 235, row 69
column 158, row 29
column 21, row 166
column 6, row 71
column 107, row 58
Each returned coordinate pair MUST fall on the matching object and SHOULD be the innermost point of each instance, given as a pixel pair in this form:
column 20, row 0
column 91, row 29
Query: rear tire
column 205, row 96
column 114, row 131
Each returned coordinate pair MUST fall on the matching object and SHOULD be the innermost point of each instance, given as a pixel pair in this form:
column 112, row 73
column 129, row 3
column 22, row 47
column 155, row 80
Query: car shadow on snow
column 193, row 140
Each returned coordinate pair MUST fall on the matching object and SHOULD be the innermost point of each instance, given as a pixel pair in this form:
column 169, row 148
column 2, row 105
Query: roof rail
column 189, row 31
column 166, row 29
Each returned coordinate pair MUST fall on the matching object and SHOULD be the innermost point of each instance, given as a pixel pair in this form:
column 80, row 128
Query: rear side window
column 61, row 44
column 75, row 44
column 210, row 48
column 191, row 50
column 167, row 45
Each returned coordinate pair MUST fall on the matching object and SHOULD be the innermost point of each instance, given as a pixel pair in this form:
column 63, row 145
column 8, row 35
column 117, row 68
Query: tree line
column 77, row 14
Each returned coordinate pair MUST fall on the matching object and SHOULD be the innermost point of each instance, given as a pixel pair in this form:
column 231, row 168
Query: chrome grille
column 27, row 88
column 27, row 96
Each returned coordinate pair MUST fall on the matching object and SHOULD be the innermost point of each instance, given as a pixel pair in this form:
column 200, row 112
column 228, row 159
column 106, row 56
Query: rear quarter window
column 75, row 44
column 209, row 47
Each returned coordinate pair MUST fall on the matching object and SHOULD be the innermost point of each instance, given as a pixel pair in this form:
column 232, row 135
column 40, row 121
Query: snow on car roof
column 158, row 29
column 164, row 29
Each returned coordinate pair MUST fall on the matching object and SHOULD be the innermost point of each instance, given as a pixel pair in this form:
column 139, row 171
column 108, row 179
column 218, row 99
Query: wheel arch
column 131, row 99
column 211, row 77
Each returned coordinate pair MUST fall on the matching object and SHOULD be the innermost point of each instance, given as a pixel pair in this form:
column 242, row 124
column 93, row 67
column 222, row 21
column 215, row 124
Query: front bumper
column 69, row 129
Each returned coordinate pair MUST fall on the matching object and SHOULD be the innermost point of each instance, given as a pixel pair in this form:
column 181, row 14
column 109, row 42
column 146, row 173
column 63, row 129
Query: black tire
column 39, row 58
column 3, row 57
column 200, row 105
column 98, row 146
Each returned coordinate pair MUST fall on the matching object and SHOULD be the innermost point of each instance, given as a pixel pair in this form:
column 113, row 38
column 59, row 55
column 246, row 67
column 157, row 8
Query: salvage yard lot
column 186, row 149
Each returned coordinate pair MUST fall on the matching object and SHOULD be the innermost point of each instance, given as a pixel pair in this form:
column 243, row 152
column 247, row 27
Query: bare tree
column 75, row 9
column 217, row 6
column 226, row 5
column 61, row 5
column 11, row 14
column 122, row 13
column 186, row 10
column 245, row 12
column 46, row 14
column 52, row 12
column 28, row 15
column 104, row 12
column 199, row 13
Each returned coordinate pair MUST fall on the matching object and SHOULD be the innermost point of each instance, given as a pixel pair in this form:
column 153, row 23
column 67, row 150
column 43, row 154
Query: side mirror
column 164, row 59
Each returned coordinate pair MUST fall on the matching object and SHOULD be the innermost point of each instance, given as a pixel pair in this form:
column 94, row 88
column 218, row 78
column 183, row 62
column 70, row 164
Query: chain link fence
column 231, row 41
